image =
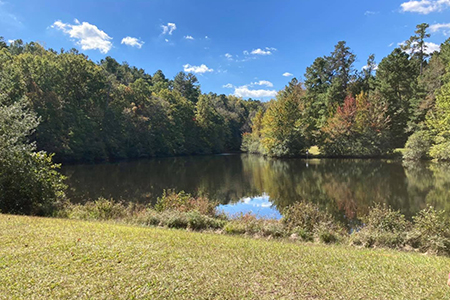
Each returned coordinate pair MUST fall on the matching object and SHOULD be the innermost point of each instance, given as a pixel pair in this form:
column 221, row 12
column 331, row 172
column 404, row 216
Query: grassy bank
column 55, row 258
column 429, row 232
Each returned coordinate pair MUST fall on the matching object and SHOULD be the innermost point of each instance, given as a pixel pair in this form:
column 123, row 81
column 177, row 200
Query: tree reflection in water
column 345, row 188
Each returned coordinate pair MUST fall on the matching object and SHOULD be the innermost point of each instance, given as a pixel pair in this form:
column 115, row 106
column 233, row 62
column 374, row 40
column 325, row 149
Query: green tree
column 341, row 67
column 187, row 85
column 416, row 44
column 439, row 123
column 29, row 180
column 396, row 81
column 283, row 124
column 211, row 125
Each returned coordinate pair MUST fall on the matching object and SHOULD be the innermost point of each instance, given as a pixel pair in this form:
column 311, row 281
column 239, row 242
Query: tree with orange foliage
column 360, row 127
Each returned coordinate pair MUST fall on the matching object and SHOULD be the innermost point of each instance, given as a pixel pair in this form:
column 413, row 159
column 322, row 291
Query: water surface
column 242, row 183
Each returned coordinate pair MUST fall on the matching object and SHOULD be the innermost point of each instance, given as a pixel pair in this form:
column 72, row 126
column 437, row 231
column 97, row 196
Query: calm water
column 241, row 183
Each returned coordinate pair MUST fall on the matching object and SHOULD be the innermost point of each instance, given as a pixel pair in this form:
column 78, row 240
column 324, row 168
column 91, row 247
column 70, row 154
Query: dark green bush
column 29, row 181
column 418, row 146
column 174, row 219
column 197, row 221
column 303, row 234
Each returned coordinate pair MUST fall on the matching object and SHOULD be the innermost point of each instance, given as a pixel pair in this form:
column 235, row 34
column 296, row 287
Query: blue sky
column 234, row 47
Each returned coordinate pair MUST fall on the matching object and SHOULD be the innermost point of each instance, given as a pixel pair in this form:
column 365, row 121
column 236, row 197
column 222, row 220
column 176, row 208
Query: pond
column 252, row 183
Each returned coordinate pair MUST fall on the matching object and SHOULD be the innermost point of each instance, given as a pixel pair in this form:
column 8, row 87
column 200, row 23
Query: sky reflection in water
column 259, row 206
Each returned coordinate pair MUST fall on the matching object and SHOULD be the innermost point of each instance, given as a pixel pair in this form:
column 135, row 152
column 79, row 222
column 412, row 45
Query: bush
column 441, row 151
column 249, row 224
column 174, row 219
column 197, row 221
column 147, row 217
column 101, row 209
column 306, row 216
column 418, row 146
column 184, row 202
column 383, row 227
column 431, row 232
column 29, row 181
column 251, row 143
column 308, row 222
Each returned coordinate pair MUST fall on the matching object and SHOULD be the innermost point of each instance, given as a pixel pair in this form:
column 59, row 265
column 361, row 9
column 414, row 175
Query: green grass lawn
column 58, row 259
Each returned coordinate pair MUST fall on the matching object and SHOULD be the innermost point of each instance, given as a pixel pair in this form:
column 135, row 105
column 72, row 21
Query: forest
column 63, row 107
column 402, row 102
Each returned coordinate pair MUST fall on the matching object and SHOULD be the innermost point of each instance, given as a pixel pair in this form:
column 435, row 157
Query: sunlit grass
column 400, row 150
column 314, row 150
column 67, row 259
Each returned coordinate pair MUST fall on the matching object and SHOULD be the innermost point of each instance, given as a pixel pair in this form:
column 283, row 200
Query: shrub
column 303, row 234
column 418, row 146
column 101, row 209
column 244, row 224
column 327, row 236
column 29, row 181
column 382, row 227
column 197, row 221
column 184, row 202
column 147, row 217
column 431, row 232
column 251, row 143
column 308, row 222
column 174, row 219
column 249, row 224
column 441, row 151
column 306, row 216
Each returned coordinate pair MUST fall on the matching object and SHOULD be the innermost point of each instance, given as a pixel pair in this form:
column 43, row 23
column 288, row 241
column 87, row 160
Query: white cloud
column 189, row 37
column 287, row 74
column 10, row 41
column 229, row 56
column 88, row 36
column 391, row 44
column 425, row 6
column 166, row 40
column 430, row 47
column 260, row 51
column 438, row 27
column 228, row 86
column 133, row 42
column 263, row 82
column 197, row 69
column 369, row 13
column 206, row 37
column 245, row 92
column 169, row 28
column 375, row 67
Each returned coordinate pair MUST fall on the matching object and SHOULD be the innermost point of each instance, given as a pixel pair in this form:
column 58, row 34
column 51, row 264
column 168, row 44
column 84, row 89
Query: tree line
column 405, row 99
column 107, row 111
